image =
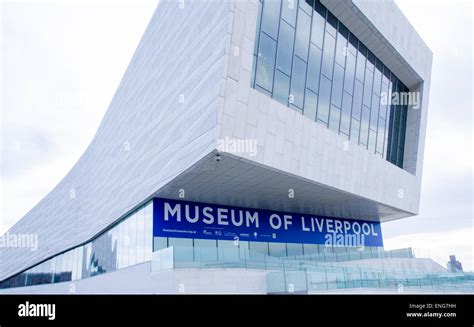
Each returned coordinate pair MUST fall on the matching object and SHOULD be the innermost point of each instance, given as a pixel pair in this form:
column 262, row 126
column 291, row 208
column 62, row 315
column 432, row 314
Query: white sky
column 61, row 63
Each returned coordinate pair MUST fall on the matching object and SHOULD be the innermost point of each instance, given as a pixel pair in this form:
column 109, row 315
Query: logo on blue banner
column 184, row 219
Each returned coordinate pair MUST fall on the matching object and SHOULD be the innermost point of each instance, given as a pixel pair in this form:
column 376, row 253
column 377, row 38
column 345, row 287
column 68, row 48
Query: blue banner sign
column 184, row 219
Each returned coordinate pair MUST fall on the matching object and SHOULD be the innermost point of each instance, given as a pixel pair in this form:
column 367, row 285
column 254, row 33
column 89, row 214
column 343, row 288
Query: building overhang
column 236, row 181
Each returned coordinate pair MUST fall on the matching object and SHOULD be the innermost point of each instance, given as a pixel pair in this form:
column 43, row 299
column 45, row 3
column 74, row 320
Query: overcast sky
column 61, row 63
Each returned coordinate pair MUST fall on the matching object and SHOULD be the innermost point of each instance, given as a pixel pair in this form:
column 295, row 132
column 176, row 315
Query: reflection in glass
column 355, row 129
column 369, row 76
column 303, row 28
column 266, row 62
column 148, row 231
column 103, row 254
column 317, row 28
column 285, row 47
column 341, row 45
column 298, row 82
column 334, row 118
column 346, row 113
column 281, row 88
column 328, row 55
column 310, row 104
column 372, row 140
column 288, row 12
column 126, row 243
column 364, row 125
column 140, row 236
column 58, row 268
column 349, row 73
column 133, row 240
column 380, row 136
column 336, row 95
column 314, row 68
column 323, row 101
column 120, row 246
column 270, row 15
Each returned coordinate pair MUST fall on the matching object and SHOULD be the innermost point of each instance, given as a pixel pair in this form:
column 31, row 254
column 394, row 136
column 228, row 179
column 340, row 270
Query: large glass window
column 361, row 58
column 323, row 103
column 334, row 118
column 349, row 73
column 270, row 17
column 364, row 125
column 310, row 104
column 336, row 95
column 346, row 113
column 80, row 260
column 58, row 264
column 317, row 27
column 288, row 11
column 120, row 246
column 328, row 55
column 355, row 129
column 127, row 243
column 368, row 86
column 266, row 62
column 331, row 25
column 140, row 236
column 113, row 247
column 357, row 103
column 303, row 28
column 148, row 231
column 298, row 82
column 314, row 68
column 303, row 55
column 285, row 47
column 281, row 88
column 341, row 45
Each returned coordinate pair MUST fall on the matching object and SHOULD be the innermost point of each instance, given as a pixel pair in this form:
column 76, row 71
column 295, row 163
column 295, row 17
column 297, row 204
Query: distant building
column 454, row 265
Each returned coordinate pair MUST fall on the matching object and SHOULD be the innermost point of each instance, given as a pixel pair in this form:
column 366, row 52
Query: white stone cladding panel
column 146, row 138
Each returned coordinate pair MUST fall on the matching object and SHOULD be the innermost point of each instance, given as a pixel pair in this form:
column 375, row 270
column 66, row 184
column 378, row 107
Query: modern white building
column 246, row 141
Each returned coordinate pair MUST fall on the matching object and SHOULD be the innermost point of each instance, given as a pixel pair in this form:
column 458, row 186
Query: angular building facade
column 242, row 135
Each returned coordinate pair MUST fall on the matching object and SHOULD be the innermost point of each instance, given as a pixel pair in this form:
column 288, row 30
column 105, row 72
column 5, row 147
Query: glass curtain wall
column 126, row 244
column 306, row 59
